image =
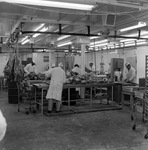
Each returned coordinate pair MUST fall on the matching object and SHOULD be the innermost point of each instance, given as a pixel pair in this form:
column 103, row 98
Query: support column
column 51, row 58
column 83, row 46
column 83, row 41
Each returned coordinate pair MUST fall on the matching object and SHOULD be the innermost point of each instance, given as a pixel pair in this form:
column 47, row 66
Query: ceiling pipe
column 82, row 34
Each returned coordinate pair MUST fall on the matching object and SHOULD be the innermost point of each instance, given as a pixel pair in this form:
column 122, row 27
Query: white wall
column 141, row 53
column 38, row 59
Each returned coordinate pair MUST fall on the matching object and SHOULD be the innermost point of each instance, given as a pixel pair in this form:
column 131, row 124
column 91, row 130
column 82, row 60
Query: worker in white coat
column 3, row 126
column 31, row 67
column 130, row 74
column 76, row 69
column 54, row 93
column 92, row 67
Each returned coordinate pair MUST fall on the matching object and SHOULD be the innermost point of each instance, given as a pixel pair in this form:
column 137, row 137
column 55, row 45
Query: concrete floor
column 105, row 130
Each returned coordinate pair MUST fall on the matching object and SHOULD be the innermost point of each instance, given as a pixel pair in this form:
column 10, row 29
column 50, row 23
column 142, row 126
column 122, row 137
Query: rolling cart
column 141, row 100
column 140, row 104
column 26, row 98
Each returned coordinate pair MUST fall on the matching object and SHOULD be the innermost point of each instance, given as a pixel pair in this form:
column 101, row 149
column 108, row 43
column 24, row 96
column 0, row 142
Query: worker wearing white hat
column 131, row 73
column 54, row 93
column 92, row 67
column 31, row 67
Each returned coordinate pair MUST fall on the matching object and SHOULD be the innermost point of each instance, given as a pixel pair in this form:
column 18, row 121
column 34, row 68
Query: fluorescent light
column 140, row 24
column 39, row 27
column 127, row 40
column 24, row 39
column 63, row 37
column 94, row 37
column 68, row 43
column 27, row 40
column 42, row 30
column 99, row 45
column 140, row 43
column 52, row 4
column 131, row 40
column 99, row 42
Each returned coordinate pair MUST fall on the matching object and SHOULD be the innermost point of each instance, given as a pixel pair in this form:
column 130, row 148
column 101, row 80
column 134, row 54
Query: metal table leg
column 42, row 101
column 35, row 99
column 112, row 94
column 69, row 98
column 90, row 97
column 131, row 100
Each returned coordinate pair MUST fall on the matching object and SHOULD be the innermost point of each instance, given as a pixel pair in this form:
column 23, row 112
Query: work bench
column 44, row 87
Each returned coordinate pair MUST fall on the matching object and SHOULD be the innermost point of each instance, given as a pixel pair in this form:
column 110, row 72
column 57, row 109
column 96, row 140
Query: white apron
column 131, row 75
column 58, row 77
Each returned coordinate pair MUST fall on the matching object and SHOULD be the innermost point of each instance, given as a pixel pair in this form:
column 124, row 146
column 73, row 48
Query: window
column 45, row 58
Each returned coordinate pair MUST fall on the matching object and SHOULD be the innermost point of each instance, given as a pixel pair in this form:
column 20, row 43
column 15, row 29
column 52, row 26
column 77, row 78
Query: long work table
column 45, row 86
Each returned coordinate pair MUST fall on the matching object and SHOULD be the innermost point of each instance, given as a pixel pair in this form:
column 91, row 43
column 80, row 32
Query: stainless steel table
column 45, row 86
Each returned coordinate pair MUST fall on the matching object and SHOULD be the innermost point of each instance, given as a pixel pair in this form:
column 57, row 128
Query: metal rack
column 146, row 77
column 146, row 88
column 141, row 99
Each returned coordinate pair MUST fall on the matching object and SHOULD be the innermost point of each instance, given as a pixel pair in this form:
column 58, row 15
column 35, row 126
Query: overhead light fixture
column 63, row 37
column 39, row 27
column 134, row 2
column 140, row 24
column 42, row 30
column 143, row 32
column 94, row 37
column 54, row 4
column 26, row 41
column 131, row 40
column 99, row 45
column 141, row 43
column 68, row 43
column 98, row 42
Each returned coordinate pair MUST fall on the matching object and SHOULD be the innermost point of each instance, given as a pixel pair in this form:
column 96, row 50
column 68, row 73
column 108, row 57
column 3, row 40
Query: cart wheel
column 132, row 118
column 146, row 136
column 34, row 111
column 134, row 127
column 144, row 121
column 18, row 110
column 27, row 112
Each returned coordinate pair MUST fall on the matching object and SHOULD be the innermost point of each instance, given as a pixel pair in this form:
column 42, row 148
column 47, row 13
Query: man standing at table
column 130, row 74
column 30, row 68
column 54, row 93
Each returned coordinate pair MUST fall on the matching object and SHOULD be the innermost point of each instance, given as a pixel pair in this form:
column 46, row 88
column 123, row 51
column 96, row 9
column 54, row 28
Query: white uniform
column 131, row 75
column 58, row 77
column 3, row 126
column 77, row 70
column 92, row 68
column 29, row 68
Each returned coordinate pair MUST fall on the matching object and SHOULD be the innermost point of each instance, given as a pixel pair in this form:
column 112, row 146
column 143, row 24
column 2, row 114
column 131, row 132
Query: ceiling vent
column 109, row 20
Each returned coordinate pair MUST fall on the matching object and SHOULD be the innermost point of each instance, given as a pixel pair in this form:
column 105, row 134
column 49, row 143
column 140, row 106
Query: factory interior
column 73, row 75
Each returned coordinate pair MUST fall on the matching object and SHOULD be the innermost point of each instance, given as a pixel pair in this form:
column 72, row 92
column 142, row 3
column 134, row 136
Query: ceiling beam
column 108, row 2
column 62, row 22
column 62, row 17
